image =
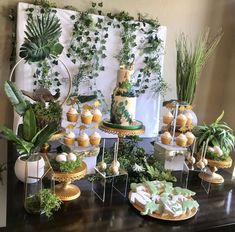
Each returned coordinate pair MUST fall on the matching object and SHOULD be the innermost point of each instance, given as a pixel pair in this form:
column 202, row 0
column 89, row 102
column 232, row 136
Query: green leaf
column 16, row 97
column 57, row 49
column 44, row 134
column 29, row 125
column 220, row 117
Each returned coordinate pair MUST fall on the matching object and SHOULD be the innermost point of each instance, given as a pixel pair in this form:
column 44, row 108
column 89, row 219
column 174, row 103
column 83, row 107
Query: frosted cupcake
column 181, row 140
column 69, row 138
column 72, row 115
column 97, row 116
column 181, row 120
column 83, row 140
column 95, row 139
column 190, row 136
column 189, row 118
column 86, row 117
column 166, row 138
column 168, row 118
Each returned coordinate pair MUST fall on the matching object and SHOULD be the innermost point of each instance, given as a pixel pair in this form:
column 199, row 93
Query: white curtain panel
column 148, row 107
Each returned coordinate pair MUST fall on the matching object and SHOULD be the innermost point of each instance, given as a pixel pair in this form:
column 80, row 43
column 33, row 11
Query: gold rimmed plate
column 182, row 217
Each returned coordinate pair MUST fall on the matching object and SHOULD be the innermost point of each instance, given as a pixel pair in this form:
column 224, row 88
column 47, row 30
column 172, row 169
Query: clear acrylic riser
column 118, row 182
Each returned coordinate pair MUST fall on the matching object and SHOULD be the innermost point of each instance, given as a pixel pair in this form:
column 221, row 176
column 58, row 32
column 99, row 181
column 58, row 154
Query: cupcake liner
column 72, row 117
column 86, row 119
column 95, row 141
column 83, row 143
column 69, row 141
column 97, row 118
column 166, row 141
column 181, row 142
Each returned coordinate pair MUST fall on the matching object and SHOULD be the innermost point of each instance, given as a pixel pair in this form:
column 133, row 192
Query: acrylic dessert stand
column 65, row 190
column 122, row 132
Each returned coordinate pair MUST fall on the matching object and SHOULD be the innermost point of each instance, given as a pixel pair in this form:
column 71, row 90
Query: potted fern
column 29, row 137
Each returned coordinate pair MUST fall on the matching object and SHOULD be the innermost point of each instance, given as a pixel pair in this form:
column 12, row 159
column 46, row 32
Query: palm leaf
column 42, row 38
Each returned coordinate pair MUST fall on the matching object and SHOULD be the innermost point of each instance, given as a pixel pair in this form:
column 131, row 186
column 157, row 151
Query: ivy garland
column 87, row 49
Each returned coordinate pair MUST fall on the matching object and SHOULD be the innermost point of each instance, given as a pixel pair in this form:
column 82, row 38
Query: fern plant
column 41, row 37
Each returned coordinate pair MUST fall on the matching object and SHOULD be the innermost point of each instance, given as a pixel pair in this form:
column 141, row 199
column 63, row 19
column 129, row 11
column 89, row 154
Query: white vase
column 35, row 169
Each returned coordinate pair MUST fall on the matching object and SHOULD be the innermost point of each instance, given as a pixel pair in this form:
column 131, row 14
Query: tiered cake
column 123, row 98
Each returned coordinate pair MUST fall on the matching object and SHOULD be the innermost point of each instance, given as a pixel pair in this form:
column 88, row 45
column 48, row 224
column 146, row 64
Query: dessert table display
column 216, row 212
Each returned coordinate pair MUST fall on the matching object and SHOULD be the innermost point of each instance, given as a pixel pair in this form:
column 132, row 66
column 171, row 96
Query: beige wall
column 215, row 90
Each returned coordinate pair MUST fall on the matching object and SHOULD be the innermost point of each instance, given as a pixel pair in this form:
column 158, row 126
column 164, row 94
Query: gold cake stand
column 122, row 133
column 65, row 190
column 214, row 177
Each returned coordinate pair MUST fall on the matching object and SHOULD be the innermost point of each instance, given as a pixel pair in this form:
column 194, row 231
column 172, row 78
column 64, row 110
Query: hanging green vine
column 87, row 50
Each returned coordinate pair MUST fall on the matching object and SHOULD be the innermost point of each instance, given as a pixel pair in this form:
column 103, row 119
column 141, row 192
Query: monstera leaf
column 42, row 38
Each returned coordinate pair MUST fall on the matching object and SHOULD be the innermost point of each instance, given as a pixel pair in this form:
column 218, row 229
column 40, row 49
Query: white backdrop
column 147, row 107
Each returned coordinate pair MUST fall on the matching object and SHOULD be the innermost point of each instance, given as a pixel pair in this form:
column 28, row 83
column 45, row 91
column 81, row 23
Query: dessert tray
column 159, row 199
column 186, row 216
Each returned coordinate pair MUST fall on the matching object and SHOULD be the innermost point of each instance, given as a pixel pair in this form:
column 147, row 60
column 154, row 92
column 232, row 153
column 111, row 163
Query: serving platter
column 165, row 217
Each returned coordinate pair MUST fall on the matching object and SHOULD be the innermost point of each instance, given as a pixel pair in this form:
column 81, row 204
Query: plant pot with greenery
column 30, row 137
column 43, row 202
column 221, row 140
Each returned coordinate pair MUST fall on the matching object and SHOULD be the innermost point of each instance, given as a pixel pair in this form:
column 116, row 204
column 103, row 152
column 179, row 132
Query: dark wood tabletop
column 88, row 213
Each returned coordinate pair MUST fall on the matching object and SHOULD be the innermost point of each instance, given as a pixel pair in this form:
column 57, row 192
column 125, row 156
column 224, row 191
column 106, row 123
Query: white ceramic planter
column 34, row 169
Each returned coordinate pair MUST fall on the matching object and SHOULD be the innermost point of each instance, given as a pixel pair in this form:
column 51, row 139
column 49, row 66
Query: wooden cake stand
column 215, row 178
column 65, row 190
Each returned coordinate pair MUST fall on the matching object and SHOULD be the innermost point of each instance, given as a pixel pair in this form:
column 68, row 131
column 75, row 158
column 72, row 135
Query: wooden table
column 88, row 213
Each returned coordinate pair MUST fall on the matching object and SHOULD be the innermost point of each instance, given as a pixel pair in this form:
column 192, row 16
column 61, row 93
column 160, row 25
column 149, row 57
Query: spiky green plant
column 190, row 61
column 218, row 134
column 42, row 37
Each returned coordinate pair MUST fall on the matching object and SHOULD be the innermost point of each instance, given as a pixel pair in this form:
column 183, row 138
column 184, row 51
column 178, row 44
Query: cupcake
column 181, row 120
column 166, row 138
column 97, row 116
column 86, row 117
column 181, row 140
column 190, row 137
column 69, row 138
column 189, row 118
column 95, row 139
column 83, row 140
column 168, row 118
column 72, row 115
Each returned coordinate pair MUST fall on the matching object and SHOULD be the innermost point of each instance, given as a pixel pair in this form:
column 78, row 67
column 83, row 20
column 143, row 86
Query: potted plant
column 220, row 139
column 29, row 137
column 47, row 113
column 189, row 63
column 43, row 202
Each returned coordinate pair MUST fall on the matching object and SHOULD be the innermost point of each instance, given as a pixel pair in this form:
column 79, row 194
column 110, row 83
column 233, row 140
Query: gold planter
column 65, row 190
